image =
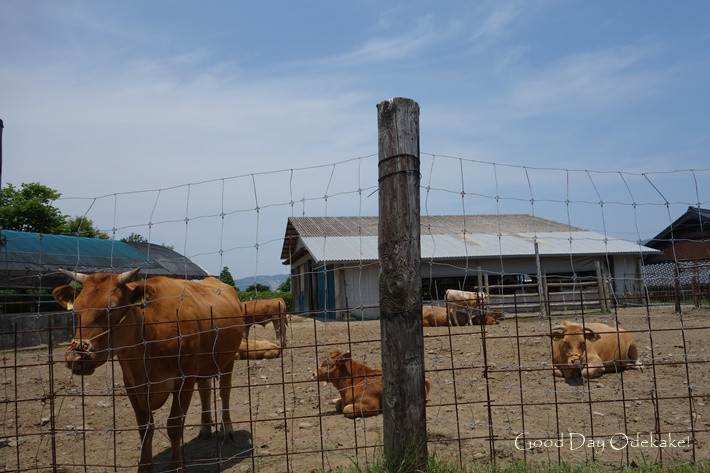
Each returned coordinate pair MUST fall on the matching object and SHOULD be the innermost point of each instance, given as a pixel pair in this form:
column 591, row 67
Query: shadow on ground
column 209, row 455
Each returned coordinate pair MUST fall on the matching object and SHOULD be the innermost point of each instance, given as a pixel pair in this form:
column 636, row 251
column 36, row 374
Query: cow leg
column 451, row 314
column 280, row 329
column 225, row 388
column 594, row 367
column 204, row 387
column 247, row 327
column 349, row 411
column 176, row 421
column 363, row 409
column 144, row 419
column 338, row 404
column 633, row 357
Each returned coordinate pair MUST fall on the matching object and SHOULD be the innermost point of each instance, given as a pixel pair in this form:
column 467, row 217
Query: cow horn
column 557, row 327
column 78, row 277
column 123, row 278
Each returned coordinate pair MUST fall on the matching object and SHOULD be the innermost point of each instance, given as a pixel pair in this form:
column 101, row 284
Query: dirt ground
column 285, row 421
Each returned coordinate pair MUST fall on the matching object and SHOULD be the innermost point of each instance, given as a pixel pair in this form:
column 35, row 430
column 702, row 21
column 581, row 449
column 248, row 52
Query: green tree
column 226, row 277
column 285, row 286
column 138, row 238
column 30, row 209
column 82, row 226
column 134, row 238
column 258, row 287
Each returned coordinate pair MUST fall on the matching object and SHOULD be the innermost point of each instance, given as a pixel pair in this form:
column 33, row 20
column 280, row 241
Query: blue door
column 325, row 282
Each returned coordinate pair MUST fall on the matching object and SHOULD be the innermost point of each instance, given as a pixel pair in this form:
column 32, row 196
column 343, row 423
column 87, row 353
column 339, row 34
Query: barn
column 29, row 264
column 683, row 251
column 526, row 263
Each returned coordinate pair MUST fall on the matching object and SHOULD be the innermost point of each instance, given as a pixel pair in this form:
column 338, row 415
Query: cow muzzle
column 575, row 359
column 77, row 357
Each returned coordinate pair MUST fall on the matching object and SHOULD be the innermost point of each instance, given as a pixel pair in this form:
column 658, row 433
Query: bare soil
column 493, row 398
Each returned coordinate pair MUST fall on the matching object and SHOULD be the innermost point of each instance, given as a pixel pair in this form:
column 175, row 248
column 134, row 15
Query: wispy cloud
column 591, row 80
column 424, row 34
column 497, row 24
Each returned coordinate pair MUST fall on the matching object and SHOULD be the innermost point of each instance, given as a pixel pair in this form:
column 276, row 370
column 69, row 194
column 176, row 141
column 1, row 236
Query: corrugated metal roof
column 437, row 224
column 476, row 245
column 430, row 224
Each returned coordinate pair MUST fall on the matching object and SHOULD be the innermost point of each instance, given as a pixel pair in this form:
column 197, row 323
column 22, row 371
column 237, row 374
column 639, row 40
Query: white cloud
column 497, row 24
column 585, row 80
column 424, row 33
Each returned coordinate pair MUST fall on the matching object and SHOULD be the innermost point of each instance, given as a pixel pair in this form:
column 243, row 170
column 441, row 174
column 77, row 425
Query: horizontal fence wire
column 493, row 394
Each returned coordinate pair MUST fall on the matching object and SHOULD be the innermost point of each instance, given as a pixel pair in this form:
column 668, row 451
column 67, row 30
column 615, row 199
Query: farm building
column 29, row 264
column 683, row 249
column 514, row 258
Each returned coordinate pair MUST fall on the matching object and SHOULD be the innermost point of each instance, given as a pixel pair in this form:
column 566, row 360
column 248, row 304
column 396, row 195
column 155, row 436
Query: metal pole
column 2, row 125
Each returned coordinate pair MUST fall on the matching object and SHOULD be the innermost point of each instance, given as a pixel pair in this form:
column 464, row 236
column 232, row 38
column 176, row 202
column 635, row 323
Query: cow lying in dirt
column 489, row 317
column 435, row 316
column 258, row 350
column 263, row 311
column 591, row 350
column 359, row 385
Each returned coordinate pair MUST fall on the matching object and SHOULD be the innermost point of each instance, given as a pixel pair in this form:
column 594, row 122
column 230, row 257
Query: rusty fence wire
column 493, row 398
column 493, row 395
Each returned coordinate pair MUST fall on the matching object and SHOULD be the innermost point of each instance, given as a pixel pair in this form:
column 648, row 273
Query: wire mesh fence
column 493, row 396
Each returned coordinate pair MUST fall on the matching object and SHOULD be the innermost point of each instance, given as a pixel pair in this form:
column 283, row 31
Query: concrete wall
column 28, row 330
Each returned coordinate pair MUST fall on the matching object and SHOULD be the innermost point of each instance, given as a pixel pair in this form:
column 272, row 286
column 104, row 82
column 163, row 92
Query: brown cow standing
column 464, row 303
column 263, row 311
column 163, row 333
column 359, row 385
column 592, row 349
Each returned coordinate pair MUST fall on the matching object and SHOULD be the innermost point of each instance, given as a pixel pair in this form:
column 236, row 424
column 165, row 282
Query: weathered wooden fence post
column 404, row 422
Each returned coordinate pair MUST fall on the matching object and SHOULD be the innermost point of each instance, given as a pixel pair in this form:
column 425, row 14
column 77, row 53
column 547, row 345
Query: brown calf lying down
column 592, row 349
column 258, row 350
column 359, row 385
column 434, row 316
column 263, row 311
column 489, row 317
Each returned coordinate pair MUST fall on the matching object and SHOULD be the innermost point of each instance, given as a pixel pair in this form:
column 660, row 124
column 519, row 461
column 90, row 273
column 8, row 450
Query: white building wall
column 361, row 290
column 626, row 275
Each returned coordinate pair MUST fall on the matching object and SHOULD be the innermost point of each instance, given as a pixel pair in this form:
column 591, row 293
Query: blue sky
column 104, row 100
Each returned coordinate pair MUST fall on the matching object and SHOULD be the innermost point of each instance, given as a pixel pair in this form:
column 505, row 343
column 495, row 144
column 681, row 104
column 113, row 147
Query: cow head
column 571, row 341
column 100, row 304
column 331, row 367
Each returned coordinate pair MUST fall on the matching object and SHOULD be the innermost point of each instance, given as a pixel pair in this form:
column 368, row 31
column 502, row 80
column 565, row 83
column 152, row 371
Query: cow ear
column 64, row 295
column 343, row 357
column 142, row 293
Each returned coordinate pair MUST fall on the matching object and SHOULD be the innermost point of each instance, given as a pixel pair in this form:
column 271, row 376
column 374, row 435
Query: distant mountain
column 273, row 281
